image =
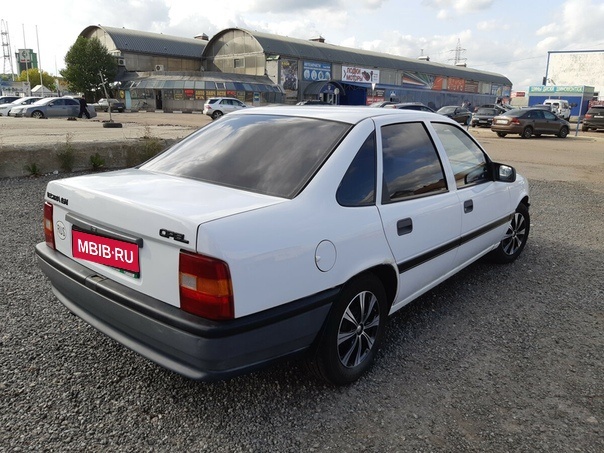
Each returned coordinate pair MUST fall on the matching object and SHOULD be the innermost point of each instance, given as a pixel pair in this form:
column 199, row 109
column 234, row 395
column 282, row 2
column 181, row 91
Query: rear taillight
column 588, row 116
column 515, row 121
column 49, row 232
column 205, row 287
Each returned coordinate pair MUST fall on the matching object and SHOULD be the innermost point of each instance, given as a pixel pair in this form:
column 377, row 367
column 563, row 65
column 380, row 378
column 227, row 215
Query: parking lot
column 498, row 358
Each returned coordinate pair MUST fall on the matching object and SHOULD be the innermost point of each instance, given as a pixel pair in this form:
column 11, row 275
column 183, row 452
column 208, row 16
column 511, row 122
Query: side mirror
column 504, row 173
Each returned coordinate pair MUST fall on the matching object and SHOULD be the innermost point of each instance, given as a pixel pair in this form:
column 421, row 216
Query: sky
column 508, row 37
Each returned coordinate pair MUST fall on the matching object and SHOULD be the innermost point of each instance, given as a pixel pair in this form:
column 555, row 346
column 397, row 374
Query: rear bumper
column 507, row 129
column 593, row 124
column 195, row 347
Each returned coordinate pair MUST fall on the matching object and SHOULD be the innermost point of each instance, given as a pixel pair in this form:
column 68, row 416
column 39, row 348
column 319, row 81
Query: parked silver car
column 52, row 107
column 216, row 107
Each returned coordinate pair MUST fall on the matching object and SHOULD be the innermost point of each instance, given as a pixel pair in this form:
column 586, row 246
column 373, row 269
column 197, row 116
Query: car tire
column 563, row 132
column 501, row 134
column 217, row 114
column 584, row 129
column 37, row 114
column 111, row 125
column 527, row 132
column 352, row 333
column 515, row 238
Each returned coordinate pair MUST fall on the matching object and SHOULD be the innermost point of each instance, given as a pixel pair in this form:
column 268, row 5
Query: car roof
column 345, row 114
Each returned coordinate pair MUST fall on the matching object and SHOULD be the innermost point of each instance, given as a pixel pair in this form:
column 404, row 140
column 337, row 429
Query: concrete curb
column 45, row 159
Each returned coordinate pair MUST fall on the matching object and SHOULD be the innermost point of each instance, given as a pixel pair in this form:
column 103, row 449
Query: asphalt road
column 496, row 359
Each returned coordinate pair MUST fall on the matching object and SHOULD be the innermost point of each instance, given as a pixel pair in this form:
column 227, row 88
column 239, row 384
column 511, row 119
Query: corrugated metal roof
column 151, row 43
column 318, row 51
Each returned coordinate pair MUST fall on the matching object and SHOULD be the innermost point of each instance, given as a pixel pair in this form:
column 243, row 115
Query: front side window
column 267, row 154
column 468, row 161
column 411, row 164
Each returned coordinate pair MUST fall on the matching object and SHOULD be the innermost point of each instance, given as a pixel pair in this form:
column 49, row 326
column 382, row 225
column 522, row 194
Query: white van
column 560, row 107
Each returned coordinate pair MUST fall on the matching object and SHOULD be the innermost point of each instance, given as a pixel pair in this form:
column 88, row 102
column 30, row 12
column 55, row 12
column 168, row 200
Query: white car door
column 485, row 204
column 421, row 217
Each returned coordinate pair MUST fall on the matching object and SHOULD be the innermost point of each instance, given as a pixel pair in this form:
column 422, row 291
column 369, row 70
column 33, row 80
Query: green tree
column 84, row 61
column 33, row 75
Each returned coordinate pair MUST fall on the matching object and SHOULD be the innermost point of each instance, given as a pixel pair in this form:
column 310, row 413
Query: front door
column 484, row 205
column 159, row 105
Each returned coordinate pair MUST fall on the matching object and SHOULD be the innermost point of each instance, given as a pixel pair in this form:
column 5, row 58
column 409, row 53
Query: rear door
column 537, row 121
column 420, row 216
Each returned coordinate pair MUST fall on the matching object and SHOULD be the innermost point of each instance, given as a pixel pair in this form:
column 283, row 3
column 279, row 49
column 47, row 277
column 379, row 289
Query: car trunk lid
column 131, row 225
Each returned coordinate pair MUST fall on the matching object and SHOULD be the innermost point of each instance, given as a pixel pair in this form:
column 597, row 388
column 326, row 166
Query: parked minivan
column 559, row 107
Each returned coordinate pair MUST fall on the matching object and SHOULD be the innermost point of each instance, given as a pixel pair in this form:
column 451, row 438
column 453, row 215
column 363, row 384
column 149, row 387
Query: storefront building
column 168, row 73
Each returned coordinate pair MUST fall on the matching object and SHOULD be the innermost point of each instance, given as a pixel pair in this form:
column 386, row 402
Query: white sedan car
column 6, row 108
column 279, row 231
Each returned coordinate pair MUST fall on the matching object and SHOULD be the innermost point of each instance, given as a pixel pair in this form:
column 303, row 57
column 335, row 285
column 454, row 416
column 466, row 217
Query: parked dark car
column 500, row 107
column 529, row 122
column 116, row 106
column 483, row 117
column 460, row 114
column 313, row 102
column 594, row 118
column 410, row 106
column 382, row 103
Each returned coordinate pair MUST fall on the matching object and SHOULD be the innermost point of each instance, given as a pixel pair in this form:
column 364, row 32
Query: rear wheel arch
column 346, row 347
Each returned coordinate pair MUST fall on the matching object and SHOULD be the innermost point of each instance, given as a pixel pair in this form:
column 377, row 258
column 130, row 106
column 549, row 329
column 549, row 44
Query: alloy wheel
column 358, row 329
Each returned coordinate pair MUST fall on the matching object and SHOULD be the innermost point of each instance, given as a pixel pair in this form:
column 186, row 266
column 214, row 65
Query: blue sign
column 314, row 71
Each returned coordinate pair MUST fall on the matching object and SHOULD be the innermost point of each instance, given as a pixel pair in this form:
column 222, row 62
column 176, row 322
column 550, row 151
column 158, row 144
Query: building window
column 239, row 63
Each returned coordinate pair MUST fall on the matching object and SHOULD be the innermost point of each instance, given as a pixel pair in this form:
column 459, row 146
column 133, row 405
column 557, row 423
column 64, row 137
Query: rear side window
column 358, row 185
column 412, row 167
column 267, row 154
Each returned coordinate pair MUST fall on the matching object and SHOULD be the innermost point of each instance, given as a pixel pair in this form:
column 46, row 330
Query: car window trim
column 488, row 163
column 380, row 152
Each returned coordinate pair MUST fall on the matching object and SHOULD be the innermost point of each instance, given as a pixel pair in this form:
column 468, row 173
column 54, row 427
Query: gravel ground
column 497, row 359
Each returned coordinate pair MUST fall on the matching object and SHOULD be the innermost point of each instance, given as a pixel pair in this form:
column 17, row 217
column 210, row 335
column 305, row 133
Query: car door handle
column 468, row 206
column 404, row 226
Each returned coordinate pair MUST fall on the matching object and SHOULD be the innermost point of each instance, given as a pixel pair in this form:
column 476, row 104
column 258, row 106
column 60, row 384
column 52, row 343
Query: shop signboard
column 314, row 71
column 455, row 84
column 356, row 74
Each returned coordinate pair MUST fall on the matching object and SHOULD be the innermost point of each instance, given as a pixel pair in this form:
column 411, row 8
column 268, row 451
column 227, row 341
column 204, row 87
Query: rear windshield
column 482, row 111
column 268, row 154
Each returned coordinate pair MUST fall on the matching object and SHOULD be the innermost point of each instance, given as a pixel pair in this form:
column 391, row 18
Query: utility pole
column 6, row 50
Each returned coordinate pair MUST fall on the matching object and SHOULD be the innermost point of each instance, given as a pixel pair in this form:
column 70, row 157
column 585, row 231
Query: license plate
column 107, row 251
column 482, row 121
column 501, row 122
column 598, row 116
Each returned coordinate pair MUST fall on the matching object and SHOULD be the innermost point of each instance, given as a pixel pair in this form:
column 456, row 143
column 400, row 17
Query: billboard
column 356, row 74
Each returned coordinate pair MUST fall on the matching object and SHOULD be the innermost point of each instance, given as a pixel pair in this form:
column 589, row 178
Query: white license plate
column 501, row 122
